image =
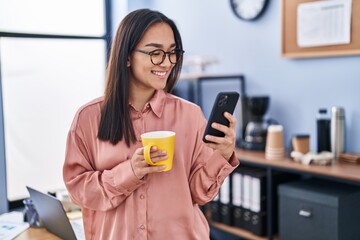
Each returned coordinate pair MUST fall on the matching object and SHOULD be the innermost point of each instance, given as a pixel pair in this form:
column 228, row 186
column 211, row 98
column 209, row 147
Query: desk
column 37, row 234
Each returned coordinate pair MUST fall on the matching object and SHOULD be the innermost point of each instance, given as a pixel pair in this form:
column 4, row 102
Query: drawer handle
column 304, row 213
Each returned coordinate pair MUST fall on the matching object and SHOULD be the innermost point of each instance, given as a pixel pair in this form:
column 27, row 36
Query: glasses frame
column 176, row 51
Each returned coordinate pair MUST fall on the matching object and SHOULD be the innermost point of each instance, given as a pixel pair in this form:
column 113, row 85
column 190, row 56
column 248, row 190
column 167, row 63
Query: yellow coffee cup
column 163, row 140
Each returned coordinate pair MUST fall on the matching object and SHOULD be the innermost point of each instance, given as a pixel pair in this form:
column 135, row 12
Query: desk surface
column 341, row 170
column 36, row 234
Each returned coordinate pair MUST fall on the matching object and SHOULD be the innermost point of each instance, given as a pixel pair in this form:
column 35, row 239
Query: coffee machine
column 254, row 126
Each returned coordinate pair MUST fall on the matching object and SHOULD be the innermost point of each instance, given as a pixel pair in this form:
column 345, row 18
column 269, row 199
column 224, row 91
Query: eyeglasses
column 157, row 56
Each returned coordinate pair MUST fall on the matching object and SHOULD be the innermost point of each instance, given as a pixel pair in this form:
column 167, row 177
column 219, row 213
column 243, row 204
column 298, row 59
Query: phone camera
column 223, row 101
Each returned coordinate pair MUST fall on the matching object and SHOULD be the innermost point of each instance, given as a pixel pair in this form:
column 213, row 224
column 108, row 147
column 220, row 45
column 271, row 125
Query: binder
column 237, row 198
column 258, row 224
column 258, row 191
column 247, row 189
column 246, row 192
column 254, row 200
column 215, row 209
column 225, row 209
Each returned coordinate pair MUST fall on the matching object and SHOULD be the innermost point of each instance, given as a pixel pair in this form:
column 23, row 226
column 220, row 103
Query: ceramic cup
column 163, row 140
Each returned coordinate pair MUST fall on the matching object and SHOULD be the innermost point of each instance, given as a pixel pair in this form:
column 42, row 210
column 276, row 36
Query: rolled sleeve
column 207, row 180
column 123, row 178
column 219, row 168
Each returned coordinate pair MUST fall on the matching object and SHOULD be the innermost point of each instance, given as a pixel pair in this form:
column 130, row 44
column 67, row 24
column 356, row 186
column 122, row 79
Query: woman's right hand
column 140, row 166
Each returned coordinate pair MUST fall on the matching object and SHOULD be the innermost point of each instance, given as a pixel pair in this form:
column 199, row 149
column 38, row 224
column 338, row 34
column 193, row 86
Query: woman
column 121, row 196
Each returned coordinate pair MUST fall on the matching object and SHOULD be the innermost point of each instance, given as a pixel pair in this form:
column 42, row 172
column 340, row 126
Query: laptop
column 53, row 215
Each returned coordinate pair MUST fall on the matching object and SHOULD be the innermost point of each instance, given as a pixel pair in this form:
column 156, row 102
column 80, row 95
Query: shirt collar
column 157, row 102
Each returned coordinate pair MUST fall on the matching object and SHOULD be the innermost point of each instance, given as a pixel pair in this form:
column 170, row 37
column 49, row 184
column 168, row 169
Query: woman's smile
column 159, row 73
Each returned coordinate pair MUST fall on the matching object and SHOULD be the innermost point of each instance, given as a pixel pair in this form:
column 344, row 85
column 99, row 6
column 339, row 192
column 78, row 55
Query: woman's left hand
column 225, row 145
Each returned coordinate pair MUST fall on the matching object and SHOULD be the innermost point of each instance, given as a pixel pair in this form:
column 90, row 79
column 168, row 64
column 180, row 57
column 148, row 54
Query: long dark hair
column 115, row 122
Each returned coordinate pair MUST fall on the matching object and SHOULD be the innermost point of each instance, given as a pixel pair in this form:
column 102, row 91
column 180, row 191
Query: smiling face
column 145, row 77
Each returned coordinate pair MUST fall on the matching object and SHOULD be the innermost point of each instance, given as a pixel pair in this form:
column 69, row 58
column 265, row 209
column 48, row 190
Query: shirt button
column 142, row 196
column 142, row 227
column 225, row 169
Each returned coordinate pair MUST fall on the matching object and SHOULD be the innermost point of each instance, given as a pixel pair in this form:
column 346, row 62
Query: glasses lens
column 175, row 55
column 157, row 57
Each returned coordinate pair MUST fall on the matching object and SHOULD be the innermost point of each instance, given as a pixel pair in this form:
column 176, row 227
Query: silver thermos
column 337, row 129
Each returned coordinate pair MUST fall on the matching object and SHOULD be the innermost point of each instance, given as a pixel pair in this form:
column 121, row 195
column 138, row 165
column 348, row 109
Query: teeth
column 159, row 73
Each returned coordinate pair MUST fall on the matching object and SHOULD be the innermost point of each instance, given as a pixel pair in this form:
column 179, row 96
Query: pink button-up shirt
column 165, row 205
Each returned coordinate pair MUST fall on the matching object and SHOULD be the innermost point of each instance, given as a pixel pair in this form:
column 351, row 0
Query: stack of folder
column 242, row 200
column 249, row 199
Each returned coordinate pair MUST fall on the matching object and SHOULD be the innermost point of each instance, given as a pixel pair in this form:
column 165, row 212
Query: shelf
column 345, row 171
column 237, row 231
column 338, row 172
